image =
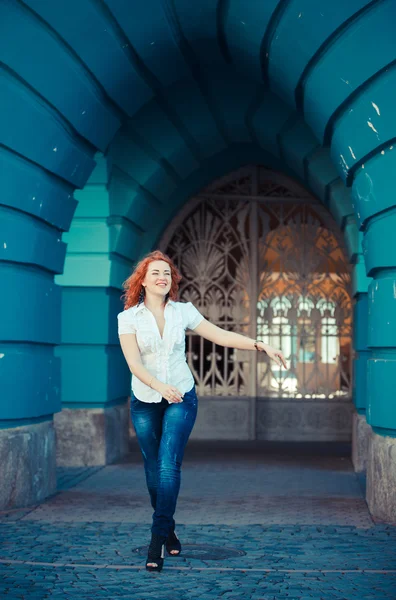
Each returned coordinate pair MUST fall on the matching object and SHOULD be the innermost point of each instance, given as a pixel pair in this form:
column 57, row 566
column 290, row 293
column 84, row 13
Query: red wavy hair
column 133, row 284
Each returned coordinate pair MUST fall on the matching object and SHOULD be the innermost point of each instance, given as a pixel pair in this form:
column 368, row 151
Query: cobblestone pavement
column 256, row 523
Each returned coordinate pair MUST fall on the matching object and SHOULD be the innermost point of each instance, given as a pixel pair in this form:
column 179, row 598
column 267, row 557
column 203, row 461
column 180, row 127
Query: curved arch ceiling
column 185, row 82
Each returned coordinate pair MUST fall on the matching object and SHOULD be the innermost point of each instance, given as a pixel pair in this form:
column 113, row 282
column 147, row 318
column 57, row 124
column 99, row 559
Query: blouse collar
column 142, row 305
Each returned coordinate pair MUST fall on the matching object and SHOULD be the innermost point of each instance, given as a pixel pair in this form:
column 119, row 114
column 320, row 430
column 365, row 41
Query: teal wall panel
column 381, row 408
column 353, row 239
column 101, row 242
column 30, row 375
column 53, row 74
column 98, row 50
column 233, row 98
column 34, row 191
column 268, row 119
column 244, row 28
column 149, row 173
column 93, row 202
column 92, row 370
column 30, row 241
column 338, row 200
column 48, row 142
column 370, row 121
column 92, row 376
column 360, row 323
column 82, row 316
column 359, row 381
column 296, row 143
column 128, row 199
column 202, row 24
column 194, row 113
column 305, row 29
column 372, row 192
column 171, row 145
column 124, row 238
column 382, row 312
column 320, row 172
column 360, row 281
column 149, row 31
column 354, row 61
column 379, row 248
column 31, row 300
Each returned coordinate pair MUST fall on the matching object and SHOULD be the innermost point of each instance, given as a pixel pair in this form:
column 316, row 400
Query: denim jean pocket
column 191, row 396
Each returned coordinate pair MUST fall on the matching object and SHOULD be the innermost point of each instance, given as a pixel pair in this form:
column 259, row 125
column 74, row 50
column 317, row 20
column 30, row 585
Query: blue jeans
column 162, row 431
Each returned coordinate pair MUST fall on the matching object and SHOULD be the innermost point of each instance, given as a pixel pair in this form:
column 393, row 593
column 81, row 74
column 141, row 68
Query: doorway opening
column 261, row 256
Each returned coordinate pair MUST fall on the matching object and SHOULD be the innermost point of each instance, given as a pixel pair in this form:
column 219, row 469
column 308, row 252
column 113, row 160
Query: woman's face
column 158, row 278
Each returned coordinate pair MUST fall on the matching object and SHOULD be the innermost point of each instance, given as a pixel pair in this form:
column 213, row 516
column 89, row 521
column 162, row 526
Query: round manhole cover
column 201, row 551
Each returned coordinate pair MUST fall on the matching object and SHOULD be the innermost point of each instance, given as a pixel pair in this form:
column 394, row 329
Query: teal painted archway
column 168, row 96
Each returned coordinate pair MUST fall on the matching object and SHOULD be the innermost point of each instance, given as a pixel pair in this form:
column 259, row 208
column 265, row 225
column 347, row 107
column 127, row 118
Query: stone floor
column 256, row 521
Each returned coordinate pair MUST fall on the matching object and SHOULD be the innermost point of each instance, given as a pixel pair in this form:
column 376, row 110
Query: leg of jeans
column 147, row 421
column 178, row 422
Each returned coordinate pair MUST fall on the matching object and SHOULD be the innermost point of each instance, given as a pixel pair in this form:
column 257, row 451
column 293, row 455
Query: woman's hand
column 276, row 355
column 170, row 392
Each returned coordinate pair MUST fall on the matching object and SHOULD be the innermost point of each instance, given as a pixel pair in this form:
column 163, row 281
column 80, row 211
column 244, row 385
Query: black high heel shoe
column 173, row 543
column 156, row 552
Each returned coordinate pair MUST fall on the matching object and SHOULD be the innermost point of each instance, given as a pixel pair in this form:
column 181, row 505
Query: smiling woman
column 164, row 402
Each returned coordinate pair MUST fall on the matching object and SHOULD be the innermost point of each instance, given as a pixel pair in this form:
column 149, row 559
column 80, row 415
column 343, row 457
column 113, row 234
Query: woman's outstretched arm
column 230, row 339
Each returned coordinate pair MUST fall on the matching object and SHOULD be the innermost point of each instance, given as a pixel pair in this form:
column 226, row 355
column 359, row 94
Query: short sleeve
column 192, row 316
column 126, row 322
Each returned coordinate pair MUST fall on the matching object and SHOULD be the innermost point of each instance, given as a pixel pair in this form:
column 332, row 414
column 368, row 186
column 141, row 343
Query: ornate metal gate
column 262, row 257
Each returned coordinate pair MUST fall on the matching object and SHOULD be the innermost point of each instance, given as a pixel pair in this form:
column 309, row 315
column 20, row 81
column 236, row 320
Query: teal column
column 339, row 201
column 41, row 162
column 361, row 430
column 53, row 115
column 381, row 409
column 380, row 256
column 362, row 353
column 374, row 199
column 92, row 428
column 30, row 253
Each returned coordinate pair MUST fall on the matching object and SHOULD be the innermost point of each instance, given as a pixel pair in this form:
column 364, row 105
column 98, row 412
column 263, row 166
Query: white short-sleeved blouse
column 165, row 357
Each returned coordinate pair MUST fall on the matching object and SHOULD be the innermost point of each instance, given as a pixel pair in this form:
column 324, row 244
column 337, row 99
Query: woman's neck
column 154, row 303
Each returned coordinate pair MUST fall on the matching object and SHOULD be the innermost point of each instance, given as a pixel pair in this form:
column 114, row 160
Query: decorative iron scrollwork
column 261, row 257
